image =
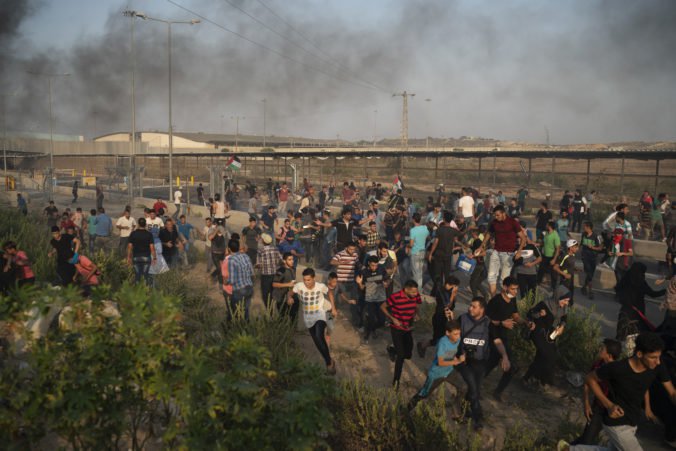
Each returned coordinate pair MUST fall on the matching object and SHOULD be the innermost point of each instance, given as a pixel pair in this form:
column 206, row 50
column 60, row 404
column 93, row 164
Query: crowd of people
column 384, row 253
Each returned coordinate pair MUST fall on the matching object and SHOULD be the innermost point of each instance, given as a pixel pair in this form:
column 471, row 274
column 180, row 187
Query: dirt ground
column 529, row 408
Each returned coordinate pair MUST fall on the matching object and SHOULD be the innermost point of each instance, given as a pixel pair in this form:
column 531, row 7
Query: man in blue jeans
column 240, row 276
column 419, row 234
column 141, row 251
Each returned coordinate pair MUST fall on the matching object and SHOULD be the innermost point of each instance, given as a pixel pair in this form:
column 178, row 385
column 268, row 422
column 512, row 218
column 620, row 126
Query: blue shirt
column 103, row 224
column 446, row 350
column 240, row 271
column 419, row 234
column 295, row 245
column 185, row 229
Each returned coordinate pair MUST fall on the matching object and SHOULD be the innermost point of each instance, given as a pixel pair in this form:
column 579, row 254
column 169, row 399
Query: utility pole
column 404, row 118
column 264, row 111
column 132, row 147
column 4, row 129
column 375, row 128
column 237, row 118
column 427, row 129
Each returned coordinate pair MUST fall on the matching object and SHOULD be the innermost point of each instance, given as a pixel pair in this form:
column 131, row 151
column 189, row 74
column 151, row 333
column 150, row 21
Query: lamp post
column 50, row 76
column 265, row 101
column 132, row 143
column 237, row 118
column 4, row 129
column 427, row 126
column 375, row 128
column 169, row 23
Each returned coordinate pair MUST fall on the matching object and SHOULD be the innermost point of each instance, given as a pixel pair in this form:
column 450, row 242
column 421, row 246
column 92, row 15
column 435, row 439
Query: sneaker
column 374, row 334
column 605, row 265
column 421, row 350
column 392, row 353
column 364, row 340
column 498, row 397
column 584, row 290
column 562, row 446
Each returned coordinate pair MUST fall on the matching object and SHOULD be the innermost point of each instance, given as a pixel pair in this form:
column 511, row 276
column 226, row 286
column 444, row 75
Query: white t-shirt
column 206, row 230
column 312, row 302
column 124, row 222
column 154, row 225
column 177, row 196
column 466, row 204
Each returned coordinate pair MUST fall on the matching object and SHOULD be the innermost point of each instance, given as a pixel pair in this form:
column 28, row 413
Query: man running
column 401, row 308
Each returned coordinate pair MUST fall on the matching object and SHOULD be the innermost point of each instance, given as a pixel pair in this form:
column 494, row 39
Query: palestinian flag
column 234, row 163
column 398, row 183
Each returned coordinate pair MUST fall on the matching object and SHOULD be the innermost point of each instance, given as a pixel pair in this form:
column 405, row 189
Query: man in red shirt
column 401, row 309
column 509, row 237
column 159, row 205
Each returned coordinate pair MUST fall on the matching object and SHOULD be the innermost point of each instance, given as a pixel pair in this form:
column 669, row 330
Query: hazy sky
column 589, row 71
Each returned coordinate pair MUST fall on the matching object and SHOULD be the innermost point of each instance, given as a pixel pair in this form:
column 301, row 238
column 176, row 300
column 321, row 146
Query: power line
column 329, row 60
column 269, row 49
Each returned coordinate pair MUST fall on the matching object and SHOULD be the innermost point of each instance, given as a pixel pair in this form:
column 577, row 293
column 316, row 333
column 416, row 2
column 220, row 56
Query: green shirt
column 551, row 241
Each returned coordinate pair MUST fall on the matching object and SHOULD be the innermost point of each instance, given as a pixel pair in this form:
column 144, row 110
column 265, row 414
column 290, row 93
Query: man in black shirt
column 542, row 218
column 475, row 346
column 344, row 229
column 445, row 304
column 441, row 252
column 141, row 251
column 629, row 380
column 169, row 239
column 504, row 315
column 284, row 280
column 64, row 246
column 52, row 214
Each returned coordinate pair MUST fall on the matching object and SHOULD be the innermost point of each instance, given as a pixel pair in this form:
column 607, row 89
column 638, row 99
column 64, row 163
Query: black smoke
column 587, row 70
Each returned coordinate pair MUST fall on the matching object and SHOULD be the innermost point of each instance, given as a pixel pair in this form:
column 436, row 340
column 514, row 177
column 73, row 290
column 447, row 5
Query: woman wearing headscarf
column 547, row 322
column 668, row 326
column 631, row 291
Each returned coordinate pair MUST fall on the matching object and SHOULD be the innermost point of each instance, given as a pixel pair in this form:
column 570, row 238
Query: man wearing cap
column 268, row 260
column 64, row 246
column 565, row 268
column 269, row 221
column 251, row 235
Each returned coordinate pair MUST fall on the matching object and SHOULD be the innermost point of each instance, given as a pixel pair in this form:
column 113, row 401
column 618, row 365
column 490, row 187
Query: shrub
column 577, row 346
column 31, row 235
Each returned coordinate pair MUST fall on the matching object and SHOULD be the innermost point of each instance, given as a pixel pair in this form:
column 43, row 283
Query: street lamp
column 132, row 143
column 171, row 130
column 427, row 126
column 4, row 128
column 51, row 126
column 237, row 118
column 375, row 128
column 265, row 101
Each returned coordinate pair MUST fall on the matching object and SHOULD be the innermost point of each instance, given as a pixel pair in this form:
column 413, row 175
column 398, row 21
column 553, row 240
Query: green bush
column 107, row 381
column 378, row 419
column 577, row 346
column 32, row 236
